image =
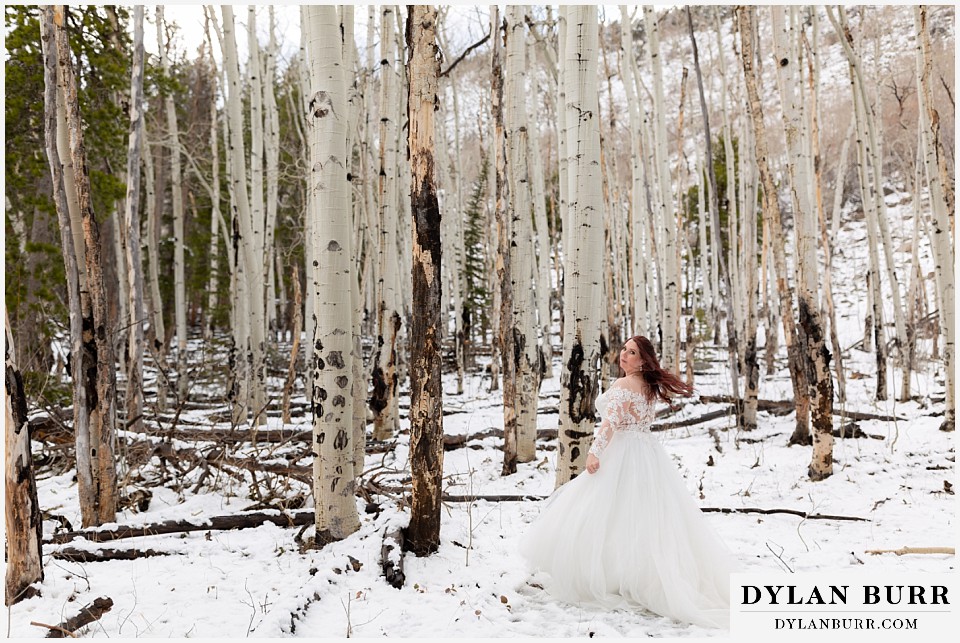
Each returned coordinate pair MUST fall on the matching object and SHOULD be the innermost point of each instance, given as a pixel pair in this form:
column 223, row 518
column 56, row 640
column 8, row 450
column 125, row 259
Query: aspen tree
column 383, row 400
column 798, row 164
column 544, row 289
column 670, row 277
column 271, row 153
column 22, row 519
column 504, row 257
column 331, row 397
column 426, row 412
column 638, row 201
column 522, row 337
column 176, row 198
column 771, row 214
column 94, row 371
column 942, row 206
column 583, row 260
column 215, row 215
column 131, row 223
column 250, row 295
column 733, row 349
column 825, row 239
column 748, row 210
column 868, row 188
column 456, row 228
column 359, row 381
column 877, row 214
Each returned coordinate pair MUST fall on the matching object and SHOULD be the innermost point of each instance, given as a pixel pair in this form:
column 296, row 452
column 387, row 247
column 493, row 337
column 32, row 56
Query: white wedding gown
column 630, row 535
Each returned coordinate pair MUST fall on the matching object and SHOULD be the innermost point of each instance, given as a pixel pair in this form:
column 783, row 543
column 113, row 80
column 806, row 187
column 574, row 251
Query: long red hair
column 660, row 383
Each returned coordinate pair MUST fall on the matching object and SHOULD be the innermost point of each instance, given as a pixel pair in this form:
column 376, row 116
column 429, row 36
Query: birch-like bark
column 869, row 197
column 733, row 346
column 131, row 223
column 250, row 253
column 522, row 337
column 875, row 165
column 819, row 380
column 93, row 359
column 942, row 206
column 639, row 213
column 331, row 397
column 271, row 153
column 771, row 214
column 457, row 223
column 426, row 412
column 354, row 102
column 24, row 524
column 813, row 79
column 295, row 345
column 752, row 275
column 669, row 321
column 176, row 182
column 583, row 310
column 544, row 288
column 504, row 258
column 383, row 400
column 563, row 162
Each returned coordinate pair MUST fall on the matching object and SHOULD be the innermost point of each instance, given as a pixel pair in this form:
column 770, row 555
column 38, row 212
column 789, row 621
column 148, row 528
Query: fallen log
column 794, row 512
column 218, row 523
column 87, row 615
column 785, row 407
column 391, row 557
column 82, row 556
column 723, row 510
column 913, row 550
column 494, row 498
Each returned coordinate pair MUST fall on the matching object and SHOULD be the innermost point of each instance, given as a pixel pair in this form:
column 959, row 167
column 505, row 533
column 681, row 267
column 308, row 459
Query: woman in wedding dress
column 628, row 534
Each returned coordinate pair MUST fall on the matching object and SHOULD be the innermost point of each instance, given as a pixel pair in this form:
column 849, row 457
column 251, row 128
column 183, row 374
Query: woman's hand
column 593, row 463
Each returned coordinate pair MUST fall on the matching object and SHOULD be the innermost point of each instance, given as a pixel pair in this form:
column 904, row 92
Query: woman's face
column 630, row 360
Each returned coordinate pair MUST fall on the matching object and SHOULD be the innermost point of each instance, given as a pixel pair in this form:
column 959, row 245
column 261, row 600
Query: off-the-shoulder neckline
column 614, row 387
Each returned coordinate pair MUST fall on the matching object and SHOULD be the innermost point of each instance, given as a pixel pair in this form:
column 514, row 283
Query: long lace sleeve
column 601, row 437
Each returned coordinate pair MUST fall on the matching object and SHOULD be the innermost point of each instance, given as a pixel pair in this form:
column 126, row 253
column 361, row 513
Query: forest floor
column 258, row 582
column 897, row 476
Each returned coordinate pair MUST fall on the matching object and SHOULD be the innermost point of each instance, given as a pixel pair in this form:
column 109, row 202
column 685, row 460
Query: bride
column 629, row 534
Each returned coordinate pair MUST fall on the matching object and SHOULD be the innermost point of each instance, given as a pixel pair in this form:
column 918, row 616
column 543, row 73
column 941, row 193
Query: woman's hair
column 660, row 383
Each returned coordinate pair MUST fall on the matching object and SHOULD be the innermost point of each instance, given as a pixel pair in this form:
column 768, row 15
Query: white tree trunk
column 669, row 320
column 271, row 148
column 176, row 196
column 131, row 223
column 251, row 255
column 331, row 398
column 523, row 335
column 942, row 205
column 798, row 165
column 384, row 397
column 583, row 310
column 544, row 287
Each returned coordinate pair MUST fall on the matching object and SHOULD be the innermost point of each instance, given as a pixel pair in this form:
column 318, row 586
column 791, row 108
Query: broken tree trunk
column 87, row 615
column 391, row 557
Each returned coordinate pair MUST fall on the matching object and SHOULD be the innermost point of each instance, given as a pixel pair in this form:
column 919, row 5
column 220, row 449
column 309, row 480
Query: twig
column 913, row 550
column 87, row 615
column 54, row 627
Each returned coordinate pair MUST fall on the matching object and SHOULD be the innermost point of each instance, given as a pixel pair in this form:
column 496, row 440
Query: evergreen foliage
column 476, row 308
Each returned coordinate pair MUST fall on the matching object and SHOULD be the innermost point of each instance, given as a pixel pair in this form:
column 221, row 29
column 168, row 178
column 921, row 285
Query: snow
column 257, row 582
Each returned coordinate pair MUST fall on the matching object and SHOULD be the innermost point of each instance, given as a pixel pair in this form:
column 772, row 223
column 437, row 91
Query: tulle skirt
column 630, row 536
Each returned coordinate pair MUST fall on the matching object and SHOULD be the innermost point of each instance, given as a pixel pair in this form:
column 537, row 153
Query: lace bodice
column 621, row 410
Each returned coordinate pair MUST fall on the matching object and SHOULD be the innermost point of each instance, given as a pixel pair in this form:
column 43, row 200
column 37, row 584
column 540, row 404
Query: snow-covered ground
column 257, row 582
